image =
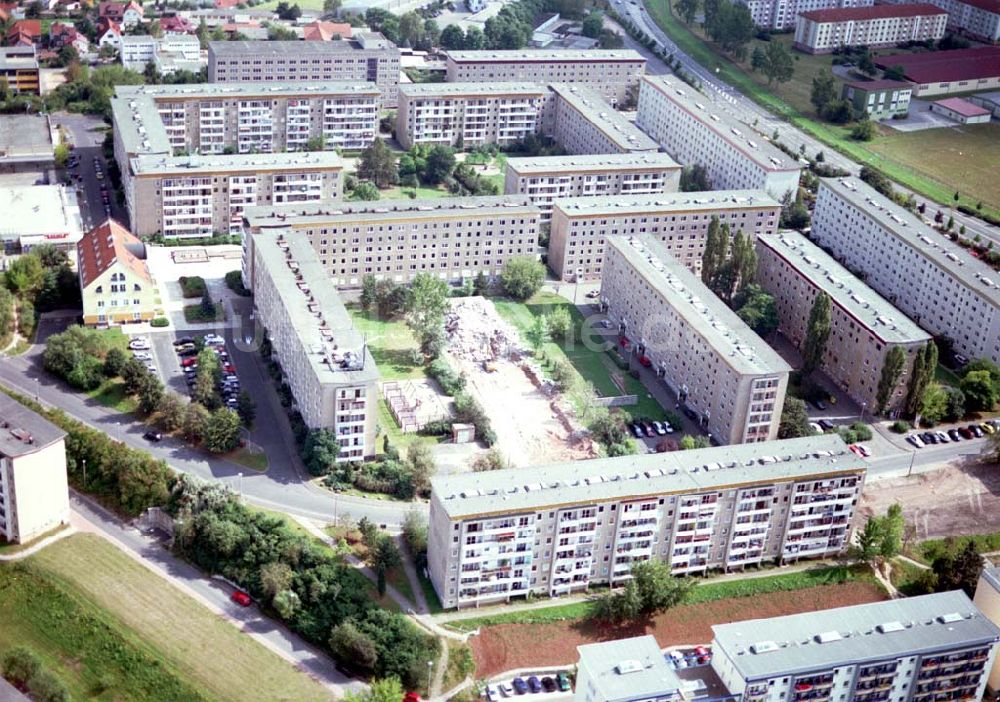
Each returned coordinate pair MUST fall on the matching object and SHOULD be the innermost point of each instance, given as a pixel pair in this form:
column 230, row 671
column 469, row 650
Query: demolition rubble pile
column 476, row 332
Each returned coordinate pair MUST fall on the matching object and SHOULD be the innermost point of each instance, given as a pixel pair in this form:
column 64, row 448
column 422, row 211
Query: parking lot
column 550, row 685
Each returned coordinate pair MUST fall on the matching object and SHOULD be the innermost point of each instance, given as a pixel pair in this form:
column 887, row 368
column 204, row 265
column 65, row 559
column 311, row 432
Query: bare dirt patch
column 953, row 501
column 509, row 646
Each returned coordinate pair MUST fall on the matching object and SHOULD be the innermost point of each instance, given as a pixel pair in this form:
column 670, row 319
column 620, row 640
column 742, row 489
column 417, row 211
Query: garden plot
column 532, row 423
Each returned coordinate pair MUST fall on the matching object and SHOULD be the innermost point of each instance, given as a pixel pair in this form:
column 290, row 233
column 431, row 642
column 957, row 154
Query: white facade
column 979, row 19
column 135, row 51
column 695, row 130
column 781, row 14
column 824, row 31
column 927, row 277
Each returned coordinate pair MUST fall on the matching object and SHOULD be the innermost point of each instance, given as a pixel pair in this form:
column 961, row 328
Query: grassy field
column 108, row 628
column 422, row 193
column 7, row 548
column 391, row 343
column 111, row 393
column 584, row 352
column 194, row 313
column 928, row 551
column 256, row 461
column 787, row 102
column 707, row 592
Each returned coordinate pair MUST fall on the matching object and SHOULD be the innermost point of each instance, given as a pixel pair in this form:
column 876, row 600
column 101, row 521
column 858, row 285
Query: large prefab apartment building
column 564, row 527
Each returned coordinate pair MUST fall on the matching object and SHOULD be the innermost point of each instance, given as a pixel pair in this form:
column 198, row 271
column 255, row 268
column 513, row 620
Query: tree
column 452, row 37
column 979, row 389
column 426, row 303
column 959, row 571
column 491, row 459
column 824, row 90
column 817, row 333
column 365, row 191
column 689, row 442
column 687, row 9
column 420, row 463
column 838, row 111
column 877, row 180
column 758, row 59
column 522, row 277
column 150, row 393
column 715, row 252
column 19, row 664
column 369, row 287
column 869, row 540
column 538, row 333
column 658, row 589
column 274, row 577
column 560, row 323
column 794, row 419
column 246, row 408
column 222, row 431
column 114, row 361
column 619, row 606
column 388, row 690
column 24, row 276
column 896, row 72
column 195, row 421
column 378, row 164
column 744, row 265
column 288, row 12
column 475, row 40
column 934, row 403
column 864, row 130
column 133, row 373
column 892, row 369
column 351, row 645
column 731, row 26
column 778, row 65
column 43, row 686
column 204, row 391
column 382, row 557
column 758, row 309
column 331, row 7
column 593, row 24
column 955, row 405
column 440, row 164
column 287, row 603
column 984, row 364
column 694, row 178
column 891, row 532
column 865, row 64
column 171, row 411
column 794, row 213
column 320, row 451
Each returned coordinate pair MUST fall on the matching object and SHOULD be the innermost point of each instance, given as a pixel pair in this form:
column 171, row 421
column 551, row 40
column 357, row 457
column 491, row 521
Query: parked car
column 942, row 437
column 647, row 427
column 535, row 684
column 411, row 697
column 548, row 684
column 492, row 693
column 520, row 687
column 660, row 428
column 816, row 427
column 915, row 441
column 562, row 680
column 142, row 355
column 976, row 431
column 855, row 450
column 954, row 435
column 703, row 654
column 987, row 427
column 152, row 436
column 139, row 344
column 506, row 689
column 214, row 339
column 964, row 431
column 645, row 362
column 241, row 598
column 826, row 424
column 183, row 348
column 593, row 294
column 929, row 437
column 865, row 451
column 191, row 362
column 187, row 353
column 819, row 404
column 184, row 340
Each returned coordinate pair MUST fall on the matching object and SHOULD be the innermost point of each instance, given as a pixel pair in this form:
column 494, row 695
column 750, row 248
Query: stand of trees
column 728, row 268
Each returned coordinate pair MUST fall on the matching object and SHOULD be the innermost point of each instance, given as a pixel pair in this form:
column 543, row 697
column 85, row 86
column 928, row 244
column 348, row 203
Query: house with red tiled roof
column 326, row 31
column 115, row 282
column 23, row 33
column 226, row 4
column 127, row 14
column 61, row 35
column 109, row 33
column 175, row 24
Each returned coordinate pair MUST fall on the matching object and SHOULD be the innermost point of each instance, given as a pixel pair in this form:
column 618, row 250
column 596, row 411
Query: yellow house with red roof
column 115, row 282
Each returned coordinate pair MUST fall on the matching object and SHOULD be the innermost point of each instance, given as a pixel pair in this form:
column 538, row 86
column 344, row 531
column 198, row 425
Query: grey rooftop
column 867, row 307
column 712, row 113
column 764, row 648
column 284, row 161
column 665, row 203
column 600, row 480
column 644, row 161
column 324, row 327
column 18, row 57
column 547, row 55
column 137, row 123
column 628, row 669
column 946, row 255
column 23, row 431
column 461, row 90
column 600, row 114
column 702, row 310
column 323, row 212
column 25, row 138
column 239, row 90
column 297, row 48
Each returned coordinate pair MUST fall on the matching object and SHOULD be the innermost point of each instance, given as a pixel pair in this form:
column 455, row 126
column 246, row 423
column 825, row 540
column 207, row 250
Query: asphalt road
column 216, row 593
column 87, row 134
column 758, row 118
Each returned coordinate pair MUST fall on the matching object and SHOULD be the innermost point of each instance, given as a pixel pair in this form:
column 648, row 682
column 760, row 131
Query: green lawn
column 7, row 548
column 194, row 313
column 256, row 461
column 397, row 438
column 391, row 343
column 111, row 393
column 397, row 578
column 928, row 551
column 430, row 594
column 786, row 102
column 707, row 592
column 945, row 376
column 109, row 629
column 422, row 193
column 583, row 352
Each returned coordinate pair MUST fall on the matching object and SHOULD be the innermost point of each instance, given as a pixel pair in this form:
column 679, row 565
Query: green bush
column 862, row 431
column 451, row 382
column 900, row 426
column 160, row 322
column 234, row 281
column 192, row 286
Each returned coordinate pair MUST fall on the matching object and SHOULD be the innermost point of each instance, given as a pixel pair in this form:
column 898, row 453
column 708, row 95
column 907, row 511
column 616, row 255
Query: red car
column 187, row 362
column 644, row 360
column 411, row 697
column 241, row 598
column 229, row 368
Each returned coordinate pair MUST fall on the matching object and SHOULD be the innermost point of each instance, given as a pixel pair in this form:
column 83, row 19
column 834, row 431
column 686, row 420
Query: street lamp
column 84, row 473
column 430, row 681
column 240, row 475
column 861, row 417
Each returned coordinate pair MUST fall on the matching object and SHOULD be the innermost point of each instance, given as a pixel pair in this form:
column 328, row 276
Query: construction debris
column 476, row 332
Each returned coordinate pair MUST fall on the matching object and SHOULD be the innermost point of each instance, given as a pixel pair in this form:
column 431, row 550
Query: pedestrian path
column 69, row 530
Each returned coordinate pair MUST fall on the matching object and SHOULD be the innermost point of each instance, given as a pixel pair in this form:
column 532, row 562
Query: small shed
column 463, row 433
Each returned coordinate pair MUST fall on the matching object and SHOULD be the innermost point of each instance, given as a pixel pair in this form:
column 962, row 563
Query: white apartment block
column 697, row 129
column 863, row 325
column 979, row 19
column 138, row 50
column 468, row 114
column 987, row 600
column 823, row 31
column 625, row 670
column 580, row 225
column 583, row 123
column 455, row 239
column 708, row 357
column 916, row 649
column 610, row 73
column 548, row 178
column 560, row 528
column 210, row 118
column 781, row 14
column 326, row 362
column 364, row 57
column 34, row 495
column 936, row 283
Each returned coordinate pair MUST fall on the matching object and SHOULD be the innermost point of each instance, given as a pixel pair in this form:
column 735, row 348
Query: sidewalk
column 69, row 530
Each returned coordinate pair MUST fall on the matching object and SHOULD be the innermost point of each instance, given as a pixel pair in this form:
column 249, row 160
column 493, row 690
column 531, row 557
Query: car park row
column 531, row 684
column 956, row 434
column 187, row 350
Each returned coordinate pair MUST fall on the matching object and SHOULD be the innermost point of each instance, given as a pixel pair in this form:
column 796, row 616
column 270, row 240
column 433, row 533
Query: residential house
column 175, row 24
column 127, row 14
column 61, row 35
column 24, row 33
column 326, row 31
column 115, row 283
column 109, row 33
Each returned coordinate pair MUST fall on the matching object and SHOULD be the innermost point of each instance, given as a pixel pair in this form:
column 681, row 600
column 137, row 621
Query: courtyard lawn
column 390, row 342
column 108, row 628
column 399, row 441
column 111, row 393
column 422, row 193
column 584, row 352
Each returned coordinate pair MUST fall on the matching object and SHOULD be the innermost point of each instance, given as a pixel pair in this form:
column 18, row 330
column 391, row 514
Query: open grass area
column 585, row 352
column 906, row 578
column 430, row 594
column 786, row 101
column 397, row 578
column 421, row 193
column 254, row 460
column 928, row 551
column 706, row 592
column 946, row 376
column 8, row 549
column 111, row 393
column 391, row 343
column 397, row 438
column 303, row 4
column 108, row 628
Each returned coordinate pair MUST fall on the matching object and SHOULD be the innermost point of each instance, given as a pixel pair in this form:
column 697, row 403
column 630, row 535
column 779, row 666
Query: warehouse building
column 946, row 72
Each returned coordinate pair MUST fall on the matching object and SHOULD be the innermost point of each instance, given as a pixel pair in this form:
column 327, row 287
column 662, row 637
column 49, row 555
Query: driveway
column 87, row 133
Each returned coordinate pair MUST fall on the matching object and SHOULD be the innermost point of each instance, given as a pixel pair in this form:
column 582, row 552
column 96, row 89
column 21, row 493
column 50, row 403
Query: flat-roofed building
column 987, row 600
column 115, row 283
column 962, row 111
column 697, row 129
column 200, row 196
column 864, row 327
column 34, row 495
column 625, row 670
column 364, row 57
column 19, row 67
column 879, row 99
column 583, row 123
column 455, row 239
column 39, row 214
column 548, row 178
column 988, row 101
column 258, row 117
column 979, row 19
column 468, row 114
column 936, row 283
column 563, row 527
column 580, row 225
column 823, row 31
column 611, row 73
column 933, row 647
column 326, row 361
column 781, row 14
column 26, row 143
column 708, row 357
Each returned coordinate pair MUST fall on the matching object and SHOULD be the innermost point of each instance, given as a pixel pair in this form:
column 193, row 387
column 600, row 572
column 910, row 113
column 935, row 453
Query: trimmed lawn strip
column 390, row 342
column 194, row 313
column 430, row 594
column 9, row 549
column 836, row 137
column 111, row 393
column 254, row 461
column 397, row 578
column 946, row 376
column 403, row 193
column 905, row 577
